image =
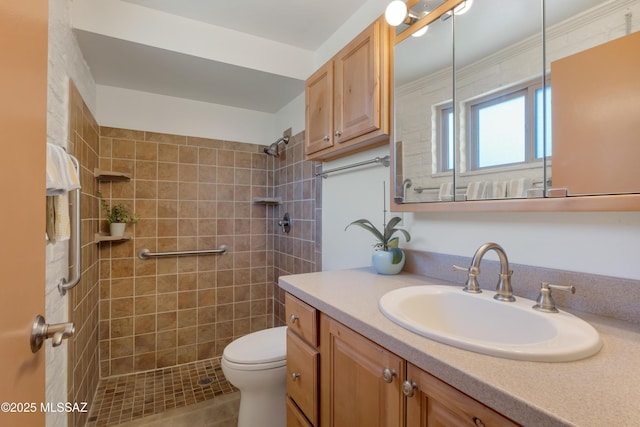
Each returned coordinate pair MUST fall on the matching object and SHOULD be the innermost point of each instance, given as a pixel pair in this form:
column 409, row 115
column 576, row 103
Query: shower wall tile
column 294, row 181
column 189, row 193
column 83, row 348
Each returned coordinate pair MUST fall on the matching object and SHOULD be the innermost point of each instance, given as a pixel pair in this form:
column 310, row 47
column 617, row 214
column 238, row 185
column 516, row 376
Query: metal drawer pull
column 295, row 376
column 388, row 375
column 293, row 318
column 409, row 388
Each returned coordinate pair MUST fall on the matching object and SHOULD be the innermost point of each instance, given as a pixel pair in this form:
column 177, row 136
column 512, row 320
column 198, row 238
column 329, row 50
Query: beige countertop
column 603, row 390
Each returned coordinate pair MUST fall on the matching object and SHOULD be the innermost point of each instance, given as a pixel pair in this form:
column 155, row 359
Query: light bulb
column 421, row 32
column 396, row 13
column 463, row 7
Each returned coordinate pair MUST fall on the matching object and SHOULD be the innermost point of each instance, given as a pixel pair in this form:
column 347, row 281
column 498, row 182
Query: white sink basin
column 479, row 323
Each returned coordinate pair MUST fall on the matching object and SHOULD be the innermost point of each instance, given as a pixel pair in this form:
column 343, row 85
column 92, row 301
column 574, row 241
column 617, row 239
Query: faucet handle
column 545, row 301
column 471, row 284
column 471, row 270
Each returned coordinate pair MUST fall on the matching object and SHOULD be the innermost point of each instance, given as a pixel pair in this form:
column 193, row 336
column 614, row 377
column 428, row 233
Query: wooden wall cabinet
column 347, row 99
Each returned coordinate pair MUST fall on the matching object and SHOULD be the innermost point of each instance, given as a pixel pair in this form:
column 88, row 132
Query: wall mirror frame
column 548, row 200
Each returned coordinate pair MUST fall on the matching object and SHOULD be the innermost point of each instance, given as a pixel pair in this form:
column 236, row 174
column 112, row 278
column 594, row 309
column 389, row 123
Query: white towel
column 446, row 192
column 518, row 187
column 475, row 190
column 61, row 173
column 495, row 190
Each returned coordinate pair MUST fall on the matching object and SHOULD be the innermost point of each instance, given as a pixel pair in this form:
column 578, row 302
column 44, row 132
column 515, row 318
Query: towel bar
column 384, row 161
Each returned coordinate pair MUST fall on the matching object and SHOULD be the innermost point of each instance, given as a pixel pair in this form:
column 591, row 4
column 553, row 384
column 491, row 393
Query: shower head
column 273, row 149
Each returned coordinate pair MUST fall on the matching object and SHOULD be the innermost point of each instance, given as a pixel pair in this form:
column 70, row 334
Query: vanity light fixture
column 460, row 9
column 397, row 13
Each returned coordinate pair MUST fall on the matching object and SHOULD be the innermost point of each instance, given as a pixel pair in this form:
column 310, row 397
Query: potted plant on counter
column 387, row 258
column 118, row 217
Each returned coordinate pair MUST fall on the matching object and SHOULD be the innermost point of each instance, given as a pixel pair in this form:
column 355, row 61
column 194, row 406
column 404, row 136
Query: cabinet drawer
column 295, row 418
column 302, row 375
column 302, row 319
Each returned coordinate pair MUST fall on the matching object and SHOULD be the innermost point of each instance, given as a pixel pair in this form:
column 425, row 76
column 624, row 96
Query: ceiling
column 116, row 60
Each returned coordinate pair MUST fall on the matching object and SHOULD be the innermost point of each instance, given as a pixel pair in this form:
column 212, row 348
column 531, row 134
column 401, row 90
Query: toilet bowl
column 256, row 365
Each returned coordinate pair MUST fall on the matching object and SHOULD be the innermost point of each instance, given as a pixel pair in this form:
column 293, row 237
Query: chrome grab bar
column 147, row 254
column 65, row 284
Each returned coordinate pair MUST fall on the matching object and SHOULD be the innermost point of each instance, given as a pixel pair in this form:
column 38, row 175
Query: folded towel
column 62, row 176
column 446, row 192
column 475, row 190
column 518, row 187
column 61, row 222
column 51, row 219
column 495, row 190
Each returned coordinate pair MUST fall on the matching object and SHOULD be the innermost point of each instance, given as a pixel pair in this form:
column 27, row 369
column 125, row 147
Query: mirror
column 423, row 86
column 499, row 101
column 493, row 138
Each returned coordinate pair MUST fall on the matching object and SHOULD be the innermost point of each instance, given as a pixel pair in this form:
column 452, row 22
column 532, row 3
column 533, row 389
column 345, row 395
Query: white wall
column 598, row 243
column 130, row 109
column 65, row 62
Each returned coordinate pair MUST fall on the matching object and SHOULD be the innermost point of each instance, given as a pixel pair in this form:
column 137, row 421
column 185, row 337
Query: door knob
column 40, row 331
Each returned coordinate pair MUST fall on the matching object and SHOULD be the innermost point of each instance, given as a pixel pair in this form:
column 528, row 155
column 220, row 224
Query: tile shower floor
column 131, row 397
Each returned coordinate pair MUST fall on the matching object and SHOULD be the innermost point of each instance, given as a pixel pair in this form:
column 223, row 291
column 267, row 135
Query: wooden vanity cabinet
column 302, row 363
column 345, row 379
column 347, row 99
column 433, row 403
column 354, row 388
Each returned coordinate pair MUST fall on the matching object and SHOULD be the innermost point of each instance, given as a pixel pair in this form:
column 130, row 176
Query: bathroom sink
column 477, row 322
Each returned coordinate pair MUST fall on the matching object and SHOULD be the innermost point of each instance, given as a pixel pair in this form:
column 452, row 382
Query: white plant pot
column 116, row 229
column 383, row 261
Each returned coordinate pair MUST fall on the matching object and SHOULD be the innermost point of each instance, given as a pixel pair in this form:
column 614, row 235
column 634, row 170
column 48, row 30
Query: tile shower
column 189, row 193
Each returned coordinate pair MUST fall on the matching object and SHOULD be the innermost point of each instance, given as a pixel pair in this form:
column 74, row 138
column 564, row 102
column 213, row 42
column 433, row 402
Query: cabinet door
column 302, row 375
column 437, row 404
column 353, row 389
column 357, row 86
column 319, row 110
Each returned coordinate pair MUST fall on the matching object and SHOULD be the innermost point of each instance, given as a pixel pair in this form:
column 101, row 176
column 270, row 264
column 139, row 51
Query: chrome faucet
column 504, row 292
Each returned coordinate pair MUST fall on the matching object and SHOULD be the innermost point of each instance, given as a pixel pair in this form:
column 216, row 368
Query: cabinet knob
column 295, row 376
column 409, row 388
column 293, row 318
column 326, row 138
column 337, row 134
column 388, row 375
column 478, row 422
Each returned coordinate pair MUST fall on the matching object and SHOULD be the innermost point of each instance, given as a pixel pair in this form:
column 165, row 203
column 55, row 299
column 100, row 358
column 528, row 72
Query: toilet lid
column 268, row 345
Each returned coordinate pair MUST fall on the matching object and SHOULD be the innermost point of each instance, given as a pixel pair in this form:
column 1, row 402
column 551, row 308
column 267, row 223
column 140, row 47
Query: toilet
column 256, row 365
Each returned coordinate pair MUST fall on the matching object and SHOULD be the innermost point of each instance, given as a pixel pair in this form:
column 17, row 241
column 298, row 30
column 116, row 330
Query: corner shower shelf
column 267, row 200
column 104, row 237
column 102, row 175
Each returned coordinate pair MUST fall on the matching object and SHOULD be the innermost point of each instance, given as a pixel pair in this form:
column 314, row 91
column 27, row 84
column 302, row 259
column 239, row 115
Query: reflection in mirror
column 593, row 56
column 423, row 91
column 500, row 101
column 500, row 68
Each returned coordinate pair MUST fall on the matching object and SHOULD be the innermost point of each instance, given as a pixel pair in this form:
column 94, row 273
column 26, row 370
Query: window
column 507, row 128
column 445, row 138
column 504, row 128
